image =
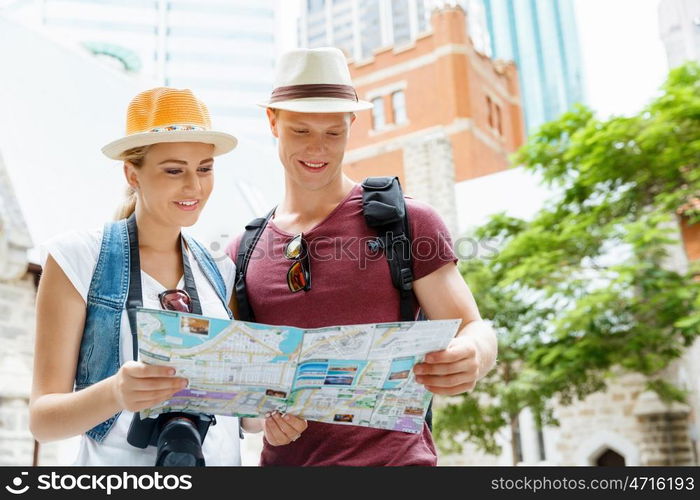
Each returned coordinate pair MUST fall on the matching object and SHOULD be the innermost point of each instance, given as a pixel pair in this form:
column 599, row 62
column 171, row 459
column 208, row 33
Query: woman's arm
column 55, row 411
column 233, row 304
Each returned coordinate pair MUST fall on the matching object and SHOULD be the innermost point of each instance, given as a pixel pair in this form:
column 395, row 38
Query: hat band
column 313, row 90
column 172, row 128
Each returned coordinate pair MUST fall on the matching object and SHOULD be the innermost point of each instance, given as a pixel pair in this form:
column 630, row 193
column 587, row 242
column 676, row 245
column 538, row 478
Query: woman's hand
column 280, row 429
column 137, row 385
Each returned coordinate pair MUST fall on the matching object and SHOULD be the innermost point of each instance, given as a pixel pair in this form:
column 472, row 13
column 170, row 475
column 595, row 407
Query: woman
column 84, row 334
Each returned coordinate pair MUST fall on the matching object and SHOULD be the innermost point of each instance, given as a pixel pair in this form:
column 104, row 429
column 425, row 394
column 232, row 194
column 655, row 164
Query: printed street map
column 353, row 375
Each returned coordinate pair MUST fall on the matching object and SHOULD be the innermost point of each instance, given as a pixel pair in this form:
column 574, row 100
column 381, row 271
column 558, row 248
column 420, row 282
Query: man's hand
column 452, row 371
column 283, row 429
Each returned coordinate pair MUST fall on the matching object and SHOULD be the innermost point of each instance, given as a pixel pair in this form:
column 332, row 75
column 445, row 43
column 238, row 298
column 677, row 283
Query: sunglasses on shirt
column 299, row 274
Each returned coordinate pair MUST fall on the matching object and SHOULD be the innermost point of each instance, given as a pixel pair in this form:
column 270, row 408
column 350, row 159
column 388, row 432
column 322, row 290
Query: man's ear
column 272, row 118
column 352, row 120
column 131, row 174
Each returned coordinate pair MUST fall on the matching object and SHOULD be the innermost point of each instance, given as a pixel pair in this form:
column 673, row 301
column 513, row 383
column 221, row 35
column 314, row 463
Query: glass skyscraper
column 541, row 37
column 358, row 27
column 679, row 27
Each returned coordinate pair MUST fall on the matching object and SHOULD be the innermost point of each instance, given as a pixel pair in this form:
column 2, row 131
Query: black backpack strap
column 384, row 209
column 253, row 232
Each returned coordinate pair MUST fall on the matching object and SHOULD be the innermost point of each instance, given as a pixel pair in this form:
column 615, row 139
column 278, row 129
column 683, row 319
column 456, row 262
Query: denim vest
column 99, row 348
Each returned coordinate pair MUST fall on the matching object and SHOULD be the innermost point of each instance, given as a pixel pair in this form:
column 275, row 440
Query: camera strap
column 134, row 299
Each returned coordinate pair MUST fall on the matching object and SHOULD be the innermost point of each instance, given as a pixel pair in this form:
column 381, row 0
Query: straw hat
column 168, row 115
column 314, row 81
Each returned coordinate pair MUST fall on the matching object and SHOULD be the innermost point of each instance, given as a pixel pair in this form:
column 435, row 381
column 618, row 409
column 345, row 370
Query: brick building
column 443, row 113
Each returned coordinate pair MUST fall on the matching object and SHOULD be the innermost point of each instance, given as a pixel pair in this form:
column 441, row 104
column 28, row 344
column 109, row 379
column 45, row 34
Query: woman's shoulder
column 81, row 244
column 76, row 253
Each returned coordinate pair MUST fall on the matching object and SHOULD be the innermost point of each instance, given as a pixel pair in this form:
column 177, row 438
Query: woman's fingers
column 158, row 384
column 139, row 369
column 152, row 396
column 138, row 385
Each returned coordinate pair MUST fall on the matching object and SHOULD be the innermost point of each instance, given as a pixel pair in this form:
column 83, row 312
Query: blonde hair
column 134, row 156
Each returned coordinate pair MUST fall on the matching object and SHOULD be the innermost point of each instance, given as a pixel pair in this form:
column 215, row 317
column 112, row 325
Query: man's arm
column 443, row 294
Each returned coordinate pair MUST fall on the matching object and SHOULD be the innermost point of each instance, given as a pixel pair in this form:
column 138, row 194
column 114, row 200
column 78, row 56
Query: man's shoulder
column 422, row 214
column 232, row 247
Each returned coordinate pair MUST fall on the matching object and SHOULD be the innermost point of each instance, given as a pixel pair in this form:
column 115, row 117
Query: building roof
column 14, row 235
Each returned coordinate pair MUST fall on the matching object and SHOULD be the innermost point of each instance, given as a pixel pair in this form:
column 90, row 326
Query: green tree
column 582, row 289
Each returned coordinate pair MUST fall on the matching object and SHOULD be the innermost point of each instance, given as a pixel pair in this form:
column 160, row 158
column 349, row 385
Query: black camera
column 178, row 436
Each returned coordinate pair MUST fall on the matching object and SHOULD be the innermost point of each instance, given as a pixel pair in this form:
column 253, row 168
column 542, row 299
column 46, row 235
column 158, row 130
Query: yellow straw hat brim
column 223, row 142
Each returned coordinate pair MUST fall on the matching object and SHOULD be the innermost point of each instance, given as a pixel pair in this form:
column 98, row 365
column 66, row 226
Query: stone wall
column 17, row 322
column 626, row 419
column 430, row 176
column 17, row 312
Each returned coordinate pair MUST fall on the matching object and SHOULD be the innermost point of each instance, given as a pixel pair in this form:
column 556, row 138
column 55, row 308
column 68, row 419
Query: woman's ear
column 131, row 174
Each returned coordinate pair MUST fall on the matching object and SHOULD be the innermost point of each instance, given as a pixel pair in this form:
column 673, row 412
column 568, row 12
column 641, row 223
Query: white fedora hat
column 168, row 115
column 314, row 81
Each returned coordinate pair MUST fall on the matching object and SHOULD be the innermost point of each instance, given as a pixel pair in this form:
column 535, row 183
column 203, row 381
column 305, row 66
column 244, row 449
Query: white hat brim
column 318, row 105
column 223, row 142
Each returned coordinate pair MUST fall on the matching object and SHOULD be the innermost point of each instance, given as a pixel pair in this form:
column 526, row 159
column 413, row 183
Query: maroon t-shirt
column 350, row 284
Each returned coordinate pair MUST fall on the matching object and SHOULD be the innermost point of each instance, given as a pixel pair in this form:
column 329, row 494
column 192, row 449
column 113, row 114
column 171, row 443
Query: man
column 343, row 281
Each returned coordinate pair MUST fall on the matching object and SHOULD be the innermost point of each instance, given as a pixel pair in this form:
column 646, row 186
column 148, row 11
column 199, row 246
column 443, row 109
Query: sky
column 624, row 58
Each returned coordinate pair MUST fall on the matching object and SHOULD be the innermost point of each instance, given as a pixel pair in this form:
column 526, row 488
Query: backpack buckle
column 406, row 279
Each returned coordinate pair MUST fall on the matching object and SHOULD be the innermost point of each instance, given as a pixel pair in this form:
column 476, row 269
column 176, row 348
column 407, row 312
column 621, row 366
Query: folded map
column 351, row 375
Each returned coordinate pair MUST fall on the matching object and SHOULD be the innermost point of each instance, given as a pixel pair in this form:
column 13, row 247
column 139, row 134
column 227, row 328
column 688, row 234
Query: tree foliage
column 584, row 289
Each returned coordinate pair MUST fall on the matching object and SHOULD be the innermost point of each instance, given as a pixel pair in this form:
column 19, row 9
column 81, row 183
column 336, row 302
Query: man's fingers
column 444, row 368
column 447, row 380
column 451, row 391
column 291, row 426
column 273, row 434
column 454, row 352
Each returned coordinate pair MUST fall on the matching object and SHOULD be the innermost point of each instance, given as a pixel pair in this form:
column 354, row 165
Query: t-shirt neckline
column 159, row 285
column 328, row 217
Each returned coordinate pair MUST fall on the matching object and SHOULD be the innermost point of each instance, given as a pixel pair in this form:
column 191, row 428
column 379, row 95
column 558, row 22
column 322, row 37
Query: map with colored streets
column 352, row 375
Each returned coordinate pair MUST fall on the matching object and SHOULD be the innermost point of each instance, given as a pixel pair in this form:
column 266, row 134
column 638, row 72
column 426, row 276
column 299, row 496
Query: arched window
column 127, row 57
column 610, row 458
